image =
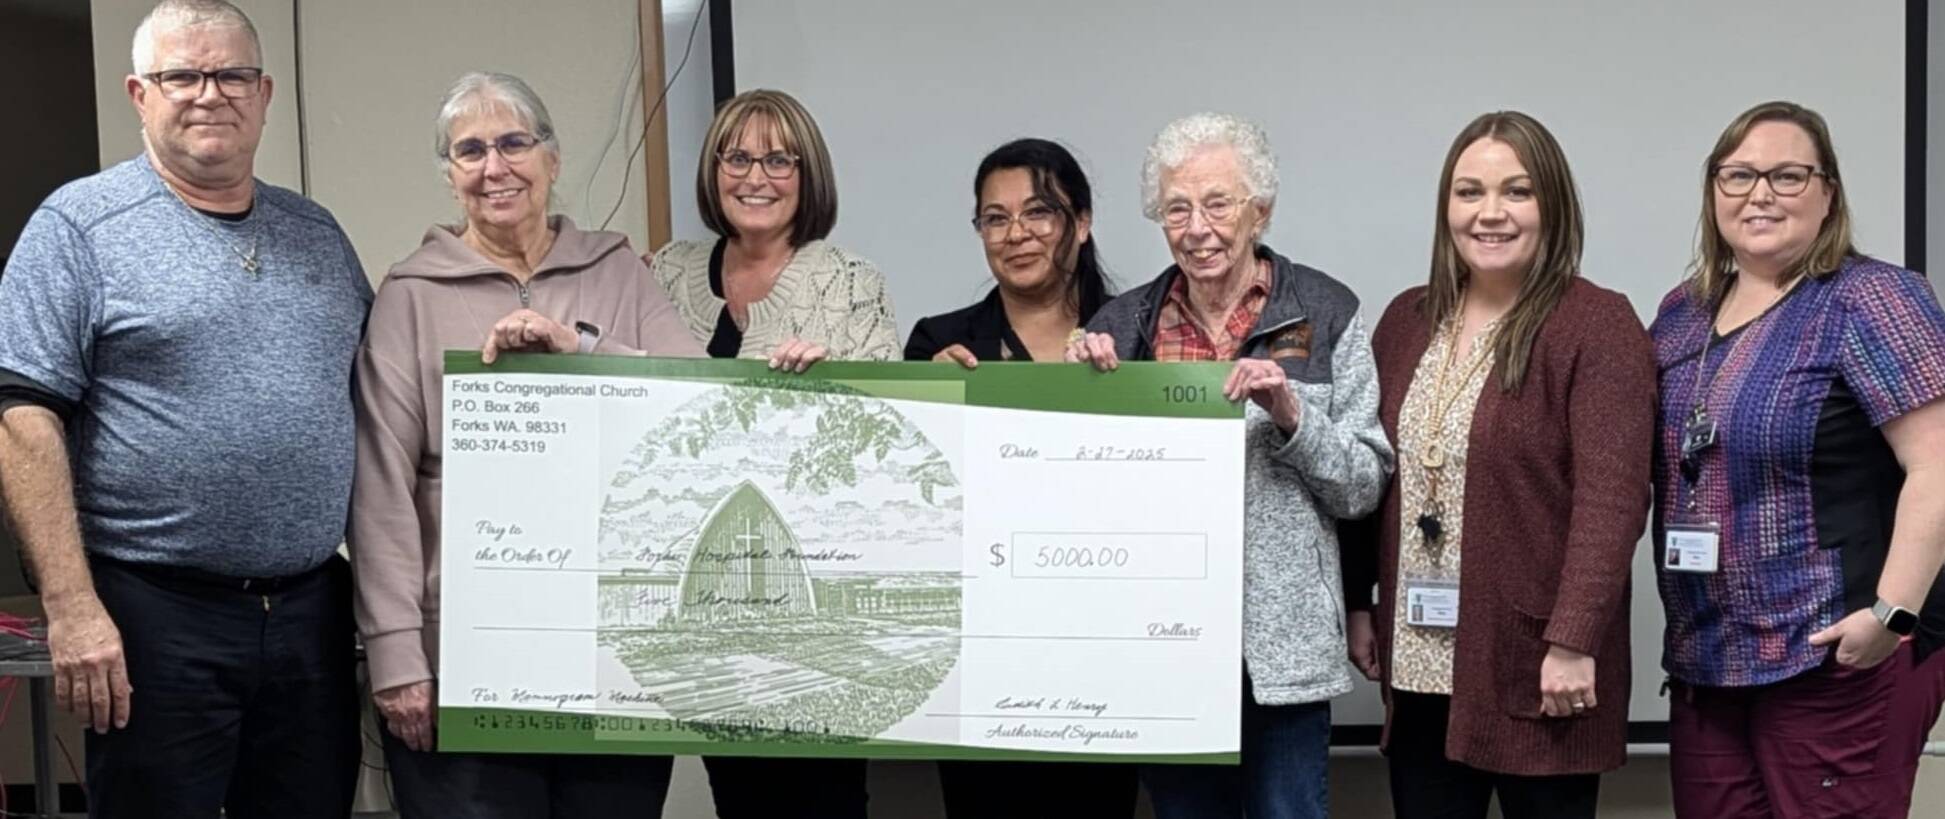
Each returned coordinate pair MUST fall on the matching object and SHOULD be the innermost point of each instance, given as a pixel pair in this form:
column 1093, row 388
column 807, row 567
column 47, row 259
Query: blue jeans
column 1286, row 755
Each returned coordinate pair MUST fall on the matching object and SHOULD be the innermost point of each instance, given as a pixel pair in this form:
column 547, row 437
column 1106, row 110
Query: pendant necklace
column 246, row 259
column 1431, row 458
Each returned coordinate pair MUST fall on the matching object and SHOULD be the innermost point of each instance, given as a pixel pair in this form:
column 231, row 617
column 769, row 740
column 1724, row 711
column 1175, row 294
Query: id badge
column 1698, row 434
column 1693, row 546
column 1431, row 603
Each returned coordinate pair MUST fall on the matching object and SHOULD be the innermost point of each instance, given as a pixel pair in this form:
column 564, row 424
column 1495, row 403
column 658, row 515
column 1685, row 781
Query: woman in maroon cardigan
column 1521, row 400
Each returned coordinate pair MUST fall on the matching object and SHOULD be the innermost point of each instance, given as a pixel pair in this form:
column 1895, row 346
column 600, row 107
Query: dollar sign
column 999, row 558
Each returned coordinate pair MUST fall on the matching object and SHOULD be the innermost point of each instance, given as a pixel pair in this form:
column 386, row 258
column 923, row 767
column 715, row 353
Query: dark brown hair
column 1059, row 182
column 1555, row 264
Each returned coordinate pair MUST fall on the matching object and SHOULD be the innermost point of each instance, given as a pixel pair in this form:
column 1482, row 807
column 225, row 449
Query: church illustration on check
column 781, row 561
column 745, row 563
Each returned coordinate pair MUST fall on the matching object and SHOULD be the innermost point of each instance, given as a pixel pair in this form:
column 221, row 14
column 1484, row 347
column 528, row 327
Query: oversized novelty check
column 880, row 560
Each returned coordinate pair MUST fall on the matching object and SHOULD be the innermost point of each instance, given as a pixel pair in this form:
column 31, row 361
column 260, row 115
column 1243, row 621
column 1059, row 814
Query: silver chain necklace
column 246, row 259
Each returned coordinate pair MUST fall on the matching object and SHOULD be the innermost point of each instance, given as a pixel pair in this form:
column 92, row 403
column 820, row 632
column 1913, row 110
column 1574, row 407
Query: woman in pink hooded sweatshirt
column 510, row 278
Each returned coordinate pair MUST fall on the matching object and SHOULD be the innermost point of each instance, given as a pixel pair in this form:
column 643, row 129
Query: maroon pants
column 1831, row 742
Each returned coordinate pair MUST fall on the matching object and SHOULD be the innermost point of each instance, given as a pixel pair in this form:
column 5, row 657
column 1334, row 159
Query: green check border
column 1176, row 390
column 1184, row 390
column 500, row 730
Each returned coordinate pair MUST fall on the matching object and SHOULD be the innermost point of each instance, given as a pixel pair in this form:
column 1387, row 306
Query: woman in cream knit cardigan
column 770, row 286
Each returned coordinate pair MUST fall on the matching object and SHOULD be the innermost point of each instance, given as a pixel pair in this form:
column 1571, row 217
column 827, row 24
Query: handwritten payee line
column 724, row 572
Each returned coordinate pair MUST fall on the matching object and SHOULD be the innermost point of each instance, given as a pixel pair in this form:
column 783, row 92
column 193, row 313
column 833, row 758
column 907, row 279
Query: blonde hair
column 797, row 131
column 1557, row 260
column 1714, row 266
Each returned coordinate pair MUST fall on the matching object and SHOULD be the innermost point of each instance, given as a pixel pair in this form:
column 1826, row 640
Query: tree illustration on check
column 848, row 426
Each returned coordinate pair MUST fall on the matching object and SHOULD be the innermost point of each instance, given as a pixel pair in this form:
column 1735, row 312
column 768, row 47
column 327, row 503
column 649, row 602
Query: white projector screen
column 1360, row 100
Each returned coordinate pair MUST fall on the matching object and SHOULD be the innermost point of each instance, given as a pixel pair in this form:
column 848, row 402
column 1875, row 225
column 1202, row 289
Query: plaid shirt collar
column 1180, row 336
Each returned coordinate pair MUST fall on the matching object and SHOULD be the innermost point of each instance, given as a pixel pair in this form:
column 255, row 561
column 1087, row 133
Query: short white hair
column 479, row 91
column 175, row 15
column 1183, row 137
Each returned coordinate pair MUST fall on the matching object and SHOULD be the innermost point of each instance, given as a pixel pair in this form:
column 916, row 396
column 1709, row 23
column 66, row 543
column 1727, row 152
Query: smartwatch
column 590, row 336
column 1896, row 619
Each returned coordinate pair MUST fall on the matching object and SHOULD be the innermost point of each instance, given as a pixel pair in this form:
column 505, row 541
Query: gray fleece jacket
column 1298, row 486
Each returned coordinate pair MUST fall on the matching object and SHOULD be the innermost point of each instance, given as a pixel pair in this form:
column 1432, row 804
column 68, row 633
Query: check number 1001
column 1185, row 394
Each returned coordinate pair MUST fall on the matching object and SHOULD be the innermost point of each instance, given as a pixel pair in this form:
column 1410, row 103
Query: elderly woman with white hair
column 1316, row 451
column 507, row 278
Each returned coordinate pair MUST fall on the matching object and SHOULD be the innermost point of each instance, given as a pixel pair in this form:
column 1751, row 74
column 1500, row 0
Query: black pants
column 430, row 785
column 1026, row 790
column 765, row 788
column 1426, row 785
column 244, row 701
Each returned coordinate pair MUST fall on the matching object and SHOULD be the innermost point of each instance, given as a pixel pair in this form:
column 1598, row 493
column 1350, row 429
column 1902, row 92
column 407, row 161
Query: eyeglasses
column 1784, row 180
column 469, row 153
column 1218, row 211
column 183, row 84
column 776, row 164
column 1037, row 219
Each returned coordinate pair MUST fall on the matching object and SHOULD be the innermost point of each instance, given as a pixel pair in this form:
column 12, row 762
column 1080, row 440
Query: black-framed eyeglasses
column 180, row 84
column 1785, row 180
column 776, row 164
column 1037, row 219
column 513, row 146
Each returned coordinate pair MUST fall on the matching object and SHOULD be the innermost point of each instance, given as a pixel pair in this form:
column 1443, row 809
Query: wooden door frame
column 655, row 125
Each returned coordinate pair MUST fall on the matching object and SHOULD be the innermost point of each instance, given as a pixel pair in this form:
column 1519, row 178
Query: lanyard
column 1700, row 432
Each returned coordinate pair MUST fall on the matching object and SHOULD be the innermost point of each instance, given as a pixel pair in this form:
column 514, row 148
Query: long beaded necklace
column 1431, row 457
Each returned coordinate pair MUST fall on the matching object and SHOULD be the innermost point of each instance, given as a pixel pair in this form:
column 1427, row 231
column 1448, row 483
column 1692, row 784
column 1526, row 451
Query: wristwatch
column 1896, row 619
column 590, row 336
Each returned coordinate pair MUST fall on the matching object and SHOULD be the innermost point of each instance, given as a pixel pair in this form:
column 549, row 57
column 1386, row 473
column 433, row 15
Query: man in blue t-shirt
column 176, row 448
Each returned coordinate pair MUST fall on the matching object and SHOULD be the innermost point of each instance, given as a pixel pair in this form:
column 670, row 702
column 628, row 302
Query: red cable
column 78, row 782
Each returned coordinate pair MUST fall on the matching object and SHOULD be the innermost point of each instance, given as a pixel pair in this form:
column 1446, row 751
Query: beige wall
column 377, row 68
column 374, row 72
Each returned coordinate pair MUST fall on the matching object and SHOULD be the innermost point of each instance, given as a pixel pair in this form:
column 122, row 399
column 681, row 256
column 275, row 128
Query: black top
column 982, row 328
column 727, row 341
column 1855, row 481
column 229, row 217
column 16, row 389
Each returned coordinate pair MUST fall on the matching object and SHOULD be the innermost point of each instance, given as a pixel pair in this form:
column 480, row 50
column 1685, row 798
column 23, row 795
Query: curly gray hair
column 1184, row 136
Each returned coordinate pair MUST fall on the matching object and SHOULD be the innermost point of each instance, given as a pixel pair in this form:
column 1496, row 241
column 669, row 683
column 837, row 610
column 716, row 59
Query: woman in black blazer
column 1034, row 214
